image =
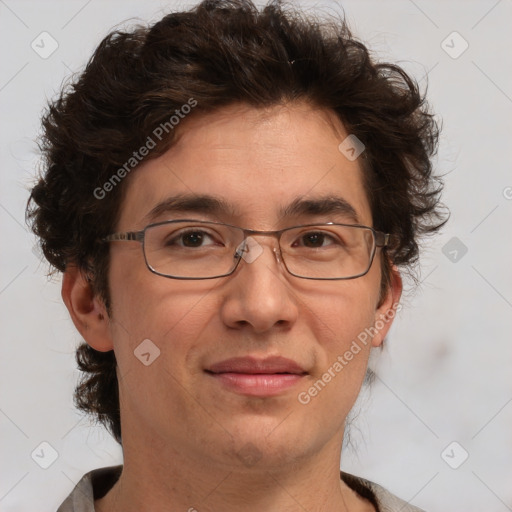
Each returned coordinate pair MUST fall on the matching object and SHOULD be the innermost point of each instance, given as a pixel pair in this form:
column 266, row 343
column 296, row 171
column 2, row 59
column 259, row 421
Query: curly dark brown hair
column 219, row 53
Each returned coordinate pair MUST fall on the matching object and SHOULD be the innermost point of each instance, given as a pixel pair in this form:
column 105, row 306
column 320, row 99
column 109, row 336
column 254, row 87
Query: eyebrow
column 205, row 204
column 320, row 206
column 212, row 205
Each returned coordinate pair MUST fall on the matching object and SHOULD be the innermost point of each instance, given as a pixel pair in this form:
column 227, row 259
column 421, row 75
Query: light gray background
column 445, row 373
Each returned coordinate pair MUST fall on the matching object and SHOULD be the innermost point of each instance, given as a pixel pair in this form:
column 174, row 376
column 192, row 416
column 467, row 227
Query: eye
column 191, row 238
column 194, row 238
column 314, row 240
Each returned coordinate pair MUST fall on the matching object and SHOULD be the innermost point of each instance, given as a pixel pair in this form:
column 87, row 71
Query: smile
column 257, row 384
column 257, row 377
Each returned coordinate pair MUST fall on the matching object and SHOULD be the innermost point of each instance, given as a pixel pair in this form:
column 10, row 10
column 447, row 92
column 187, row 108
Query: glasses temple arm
column 130, row 235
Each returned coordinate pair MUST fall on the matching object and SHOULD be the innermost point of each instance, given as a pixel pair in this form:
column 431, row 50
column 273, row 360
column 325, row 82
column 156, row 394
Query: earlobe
column 86, row 310
column 388, row 307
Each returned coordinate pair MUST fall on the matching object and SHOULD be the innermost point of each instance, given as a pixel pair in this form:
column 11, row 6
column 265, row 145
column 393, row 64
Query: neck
column 159, row 478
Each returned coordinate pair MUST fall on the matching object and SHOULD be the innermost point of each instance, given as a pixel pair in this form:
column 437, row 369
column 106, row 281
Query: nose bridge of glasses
column 253, row 244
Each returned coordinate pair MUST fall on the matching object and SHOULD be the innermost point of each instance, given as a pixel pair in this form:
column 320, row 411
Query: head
column 251, row 108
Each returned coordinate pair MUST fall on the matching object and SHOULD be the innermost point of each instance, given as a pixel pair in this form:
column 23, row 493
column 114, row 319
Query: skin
column 189, row 442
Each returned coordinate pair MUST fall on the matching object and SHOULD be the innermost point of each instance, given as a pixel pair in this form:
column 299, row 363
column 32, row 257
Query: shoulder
column 92, row 486
column 378, row 495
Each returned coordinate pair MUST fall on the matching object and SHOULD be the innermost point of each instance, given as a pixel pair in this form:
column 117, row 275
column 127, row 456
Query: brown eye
column 192, row 239
column 313, row 239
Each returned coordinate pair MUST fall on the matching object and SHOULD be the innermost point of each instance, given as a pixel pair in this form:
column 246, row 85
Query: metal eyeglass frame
column 380, row 240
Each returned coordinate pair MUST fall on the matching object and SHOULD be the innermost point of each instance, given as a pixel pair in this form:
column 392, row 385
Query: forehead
column 253, row 167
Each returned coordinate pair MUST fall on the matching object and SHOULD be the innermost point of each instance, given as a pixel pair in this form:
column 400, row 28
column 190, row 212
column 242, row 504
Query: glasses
column 195, row 249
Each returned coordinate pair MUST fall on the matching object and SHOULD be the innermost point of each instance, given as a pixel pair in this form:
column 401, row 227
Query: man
column 229, row 194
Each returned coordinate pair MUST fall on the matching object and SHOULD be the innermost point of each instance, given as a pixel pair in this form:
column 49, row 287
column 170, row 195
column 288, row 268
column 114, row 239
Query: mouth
column 257, row 377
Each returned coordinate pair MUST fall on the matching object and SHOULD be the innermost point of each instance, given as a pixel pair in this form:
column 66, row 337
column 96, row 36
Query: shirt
column 95, row 484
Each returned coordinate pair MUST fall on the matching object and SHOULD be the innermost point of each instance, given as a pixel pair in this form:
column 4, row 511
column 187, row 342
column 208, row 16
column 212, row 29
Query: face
column 191, row 398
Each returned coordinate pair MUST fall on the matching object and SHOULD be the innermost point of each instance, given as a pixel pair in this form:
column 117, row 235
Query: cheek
column 343, row 311
column 171, row 314
column 339, row 323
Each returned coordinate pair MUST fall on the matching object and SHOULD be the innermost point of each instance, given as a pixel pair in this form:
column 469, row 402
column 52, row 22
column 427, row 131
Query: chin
column 267, row 444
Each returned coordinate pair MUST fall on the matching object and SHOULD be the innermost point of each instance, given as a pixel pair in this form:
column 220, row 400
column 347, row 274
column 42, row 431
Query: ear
column 388, row 308
column 87, row 311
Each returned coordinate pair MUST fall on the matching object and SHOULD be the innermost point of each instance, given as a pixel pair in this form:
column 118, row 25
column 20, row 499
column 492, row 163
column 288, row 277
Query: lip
column 254, row 365
column 252, row 376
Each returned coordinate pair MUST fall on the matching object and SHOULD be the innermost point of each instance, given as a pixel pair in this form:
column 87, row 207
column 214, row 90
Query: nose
column 259, row 295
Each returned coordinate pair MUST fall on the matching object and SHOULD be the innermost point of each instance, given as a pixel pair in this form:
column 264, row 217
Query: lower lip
column 258, row 384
